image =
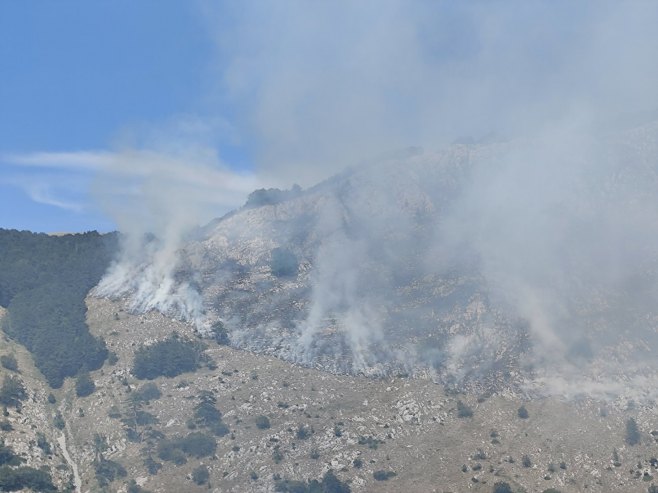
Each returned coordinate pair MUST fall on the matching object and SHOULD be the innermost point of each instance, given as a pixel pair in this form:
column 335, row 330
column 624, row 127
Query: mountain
column 283, row 426
column 504, row 264
column 475, row 319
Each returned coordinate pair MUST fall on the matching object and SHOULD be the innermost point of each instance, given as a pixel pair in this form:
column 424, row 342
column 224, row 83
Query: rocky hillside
column 441, row 322
column 490, row 266
column 283, row 422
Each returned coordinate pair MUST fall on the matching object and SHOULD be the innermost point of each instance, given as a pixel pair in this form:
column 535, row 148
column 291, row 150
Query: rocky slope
column 353, row 425
column 488, row 266
column 407, row 324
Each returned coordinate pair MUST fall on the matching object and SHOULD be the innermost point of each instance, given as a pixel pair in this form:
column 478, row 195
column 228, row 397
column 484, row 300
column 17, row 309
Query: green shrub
column 195, row 444
column 107, row 471
column 523, row 413
column 263, row 422
column 198, row 445
column 329, row 484
column 9, row 362
column 303, row 432
column 152, row 466
column 15, row 479
column 383, row 475
column 7, row 456
column 170, row 451
column 220, row 334
column 502, row 487
column 200, row 475
column 371, row 442
column 58, row 421
column 220, row 429
column 616, row 460
column 12, row 392
column 84, row 385
column 206, row 414
column 168, row 358
column 133, row 487
column 43, row 444
column 148, row 392
column 270, row 196
column 284, row 263
column 463, row 411
column 632, row 432
column 144, row 418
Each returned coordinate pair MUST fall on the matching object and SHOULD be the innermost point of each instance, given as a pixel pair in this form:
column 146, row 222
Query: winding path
column 76, row 475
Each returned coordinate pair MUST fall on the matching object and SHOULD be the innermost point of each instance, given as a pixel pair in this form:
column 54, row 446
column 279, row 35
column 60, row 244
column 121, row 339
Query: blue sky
column 106, row 104
column 77, row 75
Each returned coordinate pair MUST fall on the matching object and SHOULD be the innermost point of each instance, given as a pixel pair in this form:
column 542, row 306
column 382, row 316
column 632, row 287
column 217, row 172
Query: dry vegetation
column 359, row 428
column 362, row 429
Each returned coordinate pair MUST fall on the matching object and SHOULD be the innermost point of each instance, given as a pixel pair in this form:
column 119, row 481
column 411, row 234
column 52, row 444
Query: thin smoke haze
column 532, row 208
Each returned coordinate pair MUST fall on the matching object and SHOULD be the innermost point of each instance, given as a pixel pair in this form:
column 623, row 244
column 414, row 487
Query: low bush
column 9, row 362
column 195, row 444
column 168, row 358
column 383, row 475
column 262, row 422
column 329, row 484
column 523, row 413
column 463, row 411
column 84, row 385
column 200, row 475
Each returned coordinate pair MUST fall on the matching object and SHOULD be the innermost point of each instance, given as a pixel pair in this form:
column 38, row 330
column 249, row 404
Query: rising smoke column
column 565, row 232
column 337, row 297
column 157, row 200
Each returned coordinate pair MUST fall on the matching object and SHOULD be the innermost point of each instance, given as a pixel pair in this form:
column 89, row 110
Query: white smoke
column 337, row 303
column 559, row 221
column 157, row 200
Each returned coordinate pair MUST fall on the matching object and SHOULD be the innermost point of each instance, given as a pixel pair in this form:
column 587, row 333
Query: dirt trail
column 76, row 476
column 65, row 451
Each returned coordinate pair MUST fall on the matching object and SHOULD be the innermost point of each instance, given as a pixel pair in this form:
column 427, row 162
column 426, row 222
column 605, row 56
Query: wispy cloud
column 77, row 160
column 49, row 187
column 131, row 179
column 43, row 193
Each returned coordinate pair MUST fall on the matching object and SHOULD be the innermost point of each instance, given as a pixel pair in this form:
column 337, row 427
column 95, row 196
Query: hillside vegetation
column 43, row 283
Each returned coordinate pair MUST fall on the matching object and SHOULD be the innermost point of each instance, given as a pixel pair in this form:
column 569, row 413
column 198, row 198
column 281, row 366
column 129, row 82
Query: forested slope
column 43, row 282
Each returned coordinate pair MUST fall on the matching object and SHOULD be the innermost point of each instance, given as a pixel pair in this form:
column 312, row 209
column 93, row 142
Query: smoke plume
column 157, row 201
column 523, row 237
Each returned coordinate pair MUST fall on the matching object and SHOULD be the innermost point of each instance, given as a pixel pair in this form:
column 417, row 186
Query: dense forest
column 43, row 283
